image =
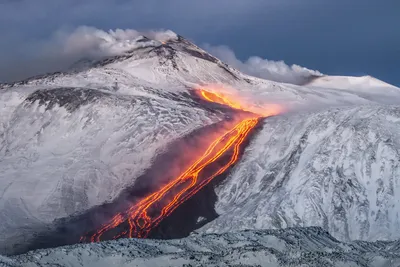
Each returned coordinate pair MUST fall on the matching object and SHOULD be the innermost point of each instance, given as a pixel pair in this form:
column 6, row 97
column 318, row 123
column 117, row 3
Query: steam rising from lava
column 147, row 214
column 215, row 94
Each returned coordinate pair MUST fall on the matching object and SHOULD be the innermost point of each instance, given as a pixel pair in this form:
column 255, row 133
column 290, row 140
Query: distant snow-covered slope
column 311, row 247
column 338, row 169
column 348, row 82
column 366, row 87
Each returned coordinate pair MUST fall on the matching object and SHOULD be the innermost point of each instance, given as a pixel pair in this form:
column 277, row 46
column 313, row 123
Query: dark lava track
column 189, row 216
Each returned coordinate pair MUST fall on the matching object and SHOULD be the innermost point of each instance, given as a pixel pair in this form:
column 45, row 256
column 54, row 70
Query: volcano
column 129, row 145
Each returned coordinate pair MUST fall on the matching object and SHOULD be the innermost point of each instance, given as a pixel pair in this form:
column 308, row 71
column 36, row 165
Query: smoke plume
column 263, row 68
column 64, row 48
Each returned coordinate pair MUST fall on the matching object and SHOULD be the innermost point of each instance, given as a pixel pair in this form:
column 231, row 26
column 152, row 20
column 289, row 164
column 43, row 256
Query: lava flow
column 150, row 211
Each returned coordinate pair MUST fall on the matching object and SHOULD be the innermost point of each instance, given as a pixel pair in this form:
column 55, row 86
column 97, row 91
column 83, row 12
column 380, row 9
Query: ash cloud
column 64, row 48
column 263, row 68
column 94, row 43
column 31, row 36
column 269, row 28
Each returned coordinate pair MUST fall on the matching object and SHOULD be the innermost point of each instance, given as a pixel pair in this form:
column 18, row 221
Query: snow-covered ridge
column 337, row 169
column 348, row 82
column 289, row 247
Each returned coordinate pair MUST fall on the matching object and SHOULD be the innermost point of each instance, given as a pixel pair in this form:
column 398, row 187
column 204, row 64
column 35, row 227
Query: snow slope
column 337, row 169
column 59, row 160
column 366, row 86
column 70, row 141
column 348, row 82
column 289, row 247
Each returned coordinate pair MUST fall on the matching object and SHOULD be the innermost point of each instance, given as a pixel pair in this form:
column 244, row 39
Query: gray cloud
column 64, row 48
column 31, row 29
column 95, row 43
column 306, row 32
column 263, row 68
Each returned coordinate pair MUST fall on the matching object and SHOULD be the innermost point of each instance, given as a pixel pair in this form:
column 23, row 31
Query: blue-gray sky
column 349, row 37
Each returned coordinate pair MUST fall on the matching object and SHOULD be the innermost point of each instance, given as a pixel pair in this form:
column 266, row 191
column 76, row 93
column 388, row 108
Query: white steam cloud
column 263, row 68
column 64, row 48
column 92, row 42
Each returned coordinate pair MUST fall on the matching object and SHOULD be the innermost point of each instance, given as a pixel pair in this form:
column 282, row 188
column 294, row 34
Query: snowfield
column 337, row 169
column 71, row 141
column 310, row 247
column 57, row 161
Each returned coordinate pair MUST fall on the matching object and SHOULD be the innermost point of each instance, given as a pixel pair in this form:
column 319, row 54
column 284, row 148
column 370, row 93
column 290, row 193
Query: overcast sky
column 348, row 37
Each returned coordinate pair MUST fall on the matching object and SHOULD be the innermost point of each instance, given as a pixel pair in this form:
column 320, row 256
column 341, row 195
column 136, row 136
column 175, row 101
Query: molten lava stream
column 150, row 211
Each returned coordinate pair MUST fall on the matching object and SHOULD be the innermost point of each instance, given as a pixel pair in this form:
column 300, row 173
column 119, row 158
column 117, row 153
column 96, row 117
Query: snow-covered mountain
column 71, row 141
column 367, row 83
column 287, row 247
column 337, row 169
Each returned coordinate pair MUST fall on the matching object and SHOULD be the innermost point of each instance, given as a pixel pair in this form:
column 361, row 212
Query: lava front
column 146, row 214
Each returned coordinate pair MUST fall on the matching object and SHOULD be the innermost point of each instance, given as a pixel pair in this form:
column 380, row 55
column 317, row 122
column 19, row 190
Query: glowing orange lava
column 212, row 94
column 219, row 98
column 150, row 211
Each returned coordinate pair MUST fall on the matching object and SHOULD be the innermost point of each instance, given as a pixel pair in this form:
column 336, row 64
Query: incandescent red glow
column 212, row 94
column 219, row 98
column 150, row 211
